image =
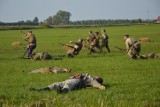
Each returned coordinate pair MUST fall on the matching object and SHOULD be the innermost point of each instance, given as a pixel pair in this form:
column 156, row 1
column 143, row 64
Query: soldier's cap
column 100, row 80
column 81, row 39
column 90, row 31
column 97, row 32
column 126, row 35
column 30, row 31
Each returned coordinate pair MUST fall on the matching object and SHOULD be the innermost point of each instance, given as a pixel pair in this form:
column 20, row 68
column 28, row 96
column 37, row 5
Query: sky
column 18, row 10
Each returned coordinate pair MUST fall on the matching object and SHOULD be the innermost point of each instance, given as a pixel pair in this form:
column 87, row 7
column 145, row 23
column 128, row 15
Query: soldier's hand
column 70, row 41
column 102, row 87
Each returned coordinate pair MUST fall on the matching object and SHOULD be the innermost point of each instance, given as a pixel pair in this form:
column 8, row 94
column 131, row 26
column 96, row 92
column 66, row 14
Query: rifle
column 22, row 32
column 121, row 49
column 67, row 45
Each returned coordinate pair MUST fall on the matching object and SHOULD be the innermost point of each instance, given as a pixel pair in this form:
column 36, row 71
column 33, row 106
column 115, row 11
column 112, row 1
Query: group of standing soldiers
column 94, row 41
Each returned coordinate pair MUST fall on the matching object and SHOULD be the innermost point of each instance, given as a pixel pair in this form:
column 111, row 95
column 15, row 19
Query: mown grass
column 128, row 82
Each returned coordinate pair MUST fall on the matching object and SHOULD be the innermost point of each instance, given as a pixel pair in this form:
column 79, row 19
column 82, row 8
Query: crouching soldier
column 76, row 48
column 74, row 82
column 54, row 70
column 133, row 47
column 42, row 56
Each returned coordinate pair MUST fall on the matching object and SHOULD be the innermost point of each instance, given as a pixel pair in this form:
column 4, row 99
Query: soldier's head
column 29, row 32
column 99, row 79
column 125, row 36
column 90, row 32
column 104, row 30
column 80, row 40
column 97, row 33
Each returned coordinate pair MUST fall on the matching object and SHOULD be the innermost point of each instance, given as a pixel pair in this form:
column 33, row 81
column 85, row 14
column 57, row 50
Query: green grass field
column 133, row 83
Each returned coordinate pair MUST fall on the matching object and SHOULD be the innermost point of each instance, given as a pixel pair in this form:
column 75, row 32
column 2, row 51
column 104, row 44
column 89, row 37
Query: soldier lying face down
column 43, row 56
column 52, row 69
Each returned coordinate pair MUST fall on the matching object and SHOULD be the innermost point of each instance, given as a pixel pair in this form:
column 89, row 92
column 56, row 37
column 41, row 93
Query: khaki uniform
column 54, row 70
column 133, row 48
column 31, row 39
column 76, row 49
column 105, row 41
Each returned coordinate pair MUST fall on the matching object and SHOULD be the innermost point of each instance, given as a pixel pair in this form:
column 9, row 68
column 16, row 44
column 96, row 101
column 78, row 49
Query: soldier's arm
column 72, row 42
column 95, row 84
column 25, row 37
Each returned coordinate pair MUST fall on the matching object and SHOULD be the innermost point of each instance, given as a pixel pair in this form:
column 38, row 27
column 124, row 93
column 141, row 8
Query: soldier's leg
column 107, row 47
column 41, row 89
column 69, row 85
column 56, row 86
column 132, row 54
column 92, row 49
column 99, row 48
column 70, row 53
column 30, row 49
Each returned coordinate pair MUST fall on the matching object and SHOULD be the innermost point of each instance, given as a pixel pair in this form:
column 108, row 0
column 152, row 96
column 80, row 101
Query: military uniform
column 41, row 56
column 105, row 41
column 151, row 55
column 82, row 81
column 76, row 48
column 91, row 41
column 31, row 39
column 133, row 48
column 52, row 69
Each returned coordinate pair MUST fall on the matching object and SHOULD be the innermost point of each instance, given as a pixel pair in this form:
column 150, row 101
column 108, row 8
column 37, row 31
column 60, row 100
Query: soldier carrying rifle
column 31, row 39
column 133, row 47
column 74, row 50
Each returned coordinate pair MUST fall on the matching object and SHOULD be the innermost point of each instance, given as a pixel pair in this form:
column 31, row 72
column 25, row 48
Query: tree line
column 33, row 22
column 63, row 18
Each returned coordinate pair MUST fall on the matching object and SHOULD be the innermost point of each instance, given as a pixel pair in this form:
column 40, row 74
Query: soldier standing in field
column 92, row 40
column 105, row 40
column 97, row 42
column 31, row 39
column 77, row 81
column 133, row 47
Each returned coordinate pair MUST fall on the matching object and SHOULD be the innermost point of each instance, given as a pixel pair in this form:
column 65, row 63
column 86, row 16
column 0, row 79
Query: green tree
column 61, row 18
column 35, row 20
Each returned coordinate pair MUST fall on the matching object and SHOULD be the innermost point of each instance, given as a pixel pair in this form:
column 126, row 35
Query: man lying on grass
column 77, row 81
column 51, row 70
column 44, row 56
